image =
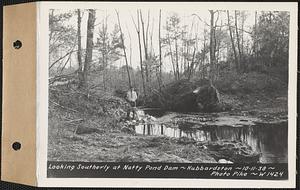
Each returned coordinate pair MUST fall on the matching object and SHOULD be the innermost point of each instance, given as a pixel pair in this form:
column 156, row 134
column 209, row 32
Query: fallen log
column 186, row 96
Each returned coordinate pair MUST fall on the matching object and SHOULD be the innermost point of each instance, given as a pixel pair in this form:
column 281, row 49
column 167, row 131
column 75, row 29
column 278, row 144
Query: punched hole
column 16, row 146
column 17, row 44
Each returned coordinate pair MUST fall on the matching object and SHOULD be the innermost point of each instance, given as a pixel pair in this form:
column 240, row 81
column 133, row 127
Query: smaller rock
column 203, row 147
column 223, row 161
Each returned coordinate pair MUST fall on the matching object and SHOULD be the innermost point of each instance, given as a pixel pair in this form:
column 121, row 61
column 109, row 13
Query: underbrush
column 71, row 111
column 87, row 103
column 252, row 82
column 252, row 91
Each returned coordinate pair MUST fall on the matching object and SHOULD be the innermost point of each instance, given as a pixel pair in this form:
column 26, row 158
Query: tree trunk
column 232, row 43
column 242, row 43
column 151, row 38
column 130, row 56
column 212, row 44
column 80, row 72
column 218, row 50
column 147, row 30
column 242, row 37
column 124, row 50
column 104, row 52
column 171, row 56
column 160, row 57
column 145, row 47
column 204, row 56
column 191, row 67
column 255, row 38
column 176, row 58
column 89, row 45
column 137, row 28
column 238, row 40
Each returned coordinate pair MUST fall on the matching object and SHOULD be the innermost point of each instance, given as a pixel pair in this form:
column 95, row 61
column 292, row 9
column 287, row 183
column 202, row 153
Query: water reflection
column 271, row 141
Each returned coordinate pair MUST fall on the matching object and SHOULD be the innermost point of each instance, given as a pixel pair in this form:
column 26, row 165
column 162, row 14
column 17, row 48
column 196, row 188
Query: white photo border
column 42, row 98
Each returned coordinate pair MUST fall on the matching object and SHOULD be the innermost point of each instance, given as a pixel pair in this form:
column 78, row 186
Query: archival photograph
column 163, row 85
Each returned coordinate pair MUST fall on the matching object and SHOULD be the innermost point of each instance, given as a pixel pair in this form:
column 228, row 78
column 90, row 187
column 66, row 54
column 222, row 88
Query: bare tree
column 147, row 29
column 137, row 28
column 212, row 43
column 89, row 47
column 168, row 41
column 124, row 50
column 104, row 49
column 130, row 54
column 237, row 38
column 62, row 38
column 172, row 38
column 243, row 17
column 255, row 49
column 204, row 53
column 193, row 61
column 177, row 57
column 145, row 46
column 160, row 58
column 79, row 42
column 232, row 42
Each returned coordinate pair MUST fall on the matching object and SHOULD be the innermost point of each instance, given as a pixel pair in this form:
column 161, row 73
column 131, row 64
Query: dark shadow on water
column 270, row 140
column 155, row 112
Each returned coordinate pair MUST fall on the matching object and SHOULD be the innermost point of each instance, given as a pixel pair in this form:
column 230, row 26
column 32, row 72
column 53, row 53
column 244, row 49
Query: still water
column 270, row 141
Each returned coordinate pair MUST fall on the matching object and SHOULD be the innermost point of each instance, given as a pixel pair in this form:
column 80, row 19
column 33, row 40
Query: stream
column 269, row 140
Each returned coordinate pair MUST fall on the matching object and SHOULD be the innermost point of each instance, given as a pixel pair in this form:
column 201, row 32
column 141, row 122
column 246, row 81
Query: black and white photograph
column 163, row 85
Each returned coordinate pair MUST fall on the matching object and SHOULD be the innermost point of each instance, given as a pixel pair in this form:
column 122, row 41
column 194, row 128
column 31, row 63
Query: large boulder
column 186, row 96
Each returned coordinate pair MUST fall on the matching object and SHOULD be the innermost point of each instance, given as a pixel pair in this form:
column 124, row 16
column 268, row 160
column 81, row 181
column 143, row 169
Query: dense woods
column 223, row 45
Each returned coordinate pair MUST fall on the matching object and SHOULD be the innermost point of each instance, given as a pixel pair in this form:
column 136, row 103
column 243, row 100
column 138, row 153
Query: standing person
column 131, row 96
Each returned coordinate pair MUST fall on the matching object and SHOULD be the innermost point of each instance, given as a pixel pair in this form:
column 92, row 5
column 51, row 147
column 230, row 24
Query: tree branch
column 200, row 19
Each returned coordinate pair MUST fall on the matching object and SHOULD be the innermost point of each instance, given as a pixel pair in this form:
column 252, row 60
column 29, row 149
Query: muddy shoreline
column 121, row 143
